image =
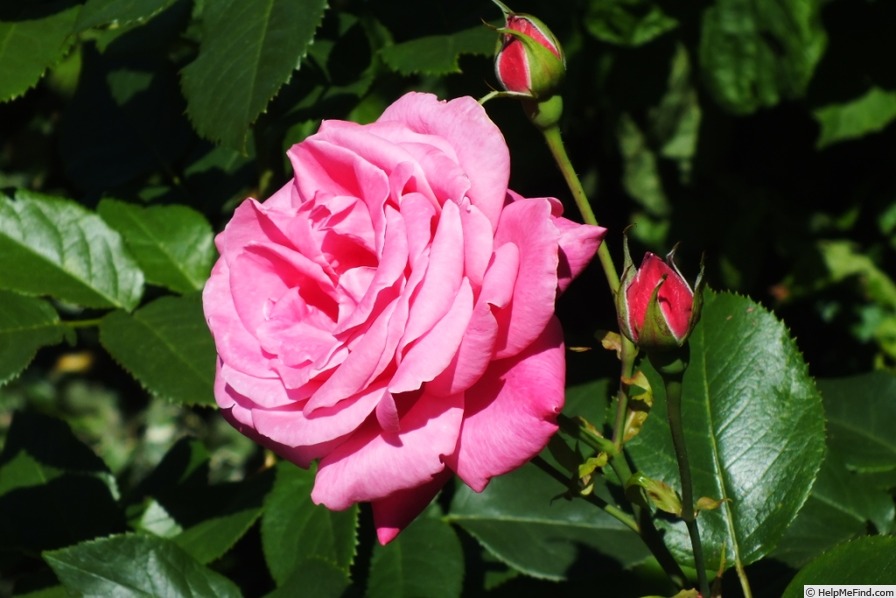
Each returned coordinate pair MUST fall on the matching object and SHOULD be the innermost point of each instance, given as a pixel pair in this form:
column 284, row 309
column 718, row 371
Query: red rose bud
column 656, row 306
column 530, row 60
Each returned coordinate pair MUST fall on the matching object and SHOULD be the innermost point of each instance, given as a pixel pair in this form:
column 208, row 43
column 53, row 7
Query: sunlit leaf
column 867, row 114
column 173, row 244
column 755, row 53
column 165, row 345
column 135, row 565
column 627, row 22
column 438, row 54
column 32, row 39
column 26, row 325
column 754, row 426
column 249, row 49
column 53, row 246
column 119, row 12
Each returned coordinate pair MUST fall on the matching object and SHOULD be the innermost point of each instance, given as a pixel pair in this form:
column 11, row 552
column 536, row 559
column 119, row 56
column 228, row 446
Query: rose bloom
column 390, row 311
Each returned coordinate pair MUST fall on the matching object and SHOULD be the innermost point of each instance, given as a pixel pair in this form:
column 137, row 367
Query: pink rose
column 390, row 311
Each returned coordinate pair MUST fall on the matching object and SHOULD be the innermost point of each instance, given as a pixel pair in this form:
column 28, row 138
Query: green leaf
column 522, row 519
column 173, row 244
column 840, row 507
column 754, row 427
column 314, row 577
column 754, row 53
column 850, row 120
column 135, row 565
column 56, row 591
column 627, row 22
column 405, row 567
column 185, row 465
column 249, row 49
column 294, row 528
column 39, row 448
column 438, row 54
column 26, row 325
column 30, row 45
column 119, row 12
column 862, row 562
column 861, row 414
column 165, row 345
column 236, row 508
column 53, row 246
column 641, row 177
column 59, row 491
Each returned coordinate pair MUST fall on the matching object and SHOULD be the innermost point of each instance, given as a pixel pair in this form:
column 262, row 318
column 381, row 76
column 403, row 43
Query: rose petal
column 432, row 353
column 478, row 242
column 393, row 513
column 510, row 413
column 480, row 146
column 476, row 350
column 578, row 244
column 371, row 465
column 393, row 261
column 235, row 344
column 443, row 276
column 291, row 427
column 526, row 223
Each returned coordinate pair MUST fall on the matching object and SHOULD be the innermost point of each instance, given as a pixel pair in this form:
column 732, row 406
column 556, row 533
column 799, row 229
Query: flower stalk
column 671, row 365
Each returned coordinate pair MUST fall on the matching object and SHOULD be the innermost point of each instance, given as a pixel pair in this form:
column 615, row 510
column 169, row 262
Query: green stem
column 648, row 532
column 585, row 435
column 629, row 353
column 645, row 527
column 558, row 150
column 611, row 510
column 673, row 404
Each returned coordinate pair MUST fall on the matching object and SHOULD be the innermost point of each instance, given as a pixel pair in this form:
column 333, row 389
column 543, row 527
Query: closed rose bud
column 529, row 60
column 656, row 306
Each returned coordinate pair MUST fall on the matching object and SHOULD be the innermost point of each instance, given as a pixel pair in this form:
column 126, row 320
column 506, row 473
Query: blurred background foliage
column 756, row 132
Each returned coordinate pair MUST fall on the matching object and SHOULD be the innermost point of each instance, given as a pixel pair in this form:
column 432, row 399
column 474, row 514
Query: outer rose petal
column 578, row 244
column 527, row 224
column 394, row 512
column 510, row 413
column 479, row 143
column 371, row 465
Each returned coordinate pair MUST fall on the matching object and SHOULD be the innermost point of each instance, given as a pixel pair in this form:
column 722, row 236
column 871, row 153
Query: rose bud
column 657, row 308
column 529, row 60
